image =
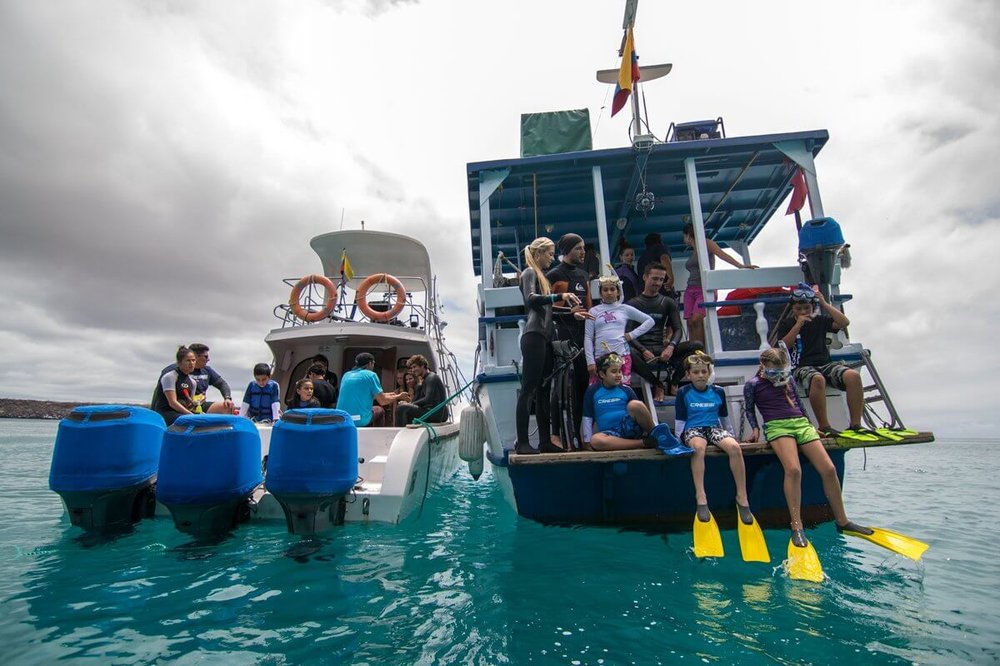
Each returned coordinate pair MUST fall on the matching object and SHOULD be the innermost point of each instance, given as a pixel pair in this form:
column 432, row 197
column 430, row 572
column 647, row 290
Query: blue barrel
column 104, row 464
column 207, row 459
column 313, row 452
column 102, row 447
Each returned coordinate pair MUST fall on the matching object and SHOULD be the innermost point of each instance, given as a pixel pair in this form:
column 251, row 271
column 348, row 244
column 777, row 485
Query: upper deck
column 741, row 181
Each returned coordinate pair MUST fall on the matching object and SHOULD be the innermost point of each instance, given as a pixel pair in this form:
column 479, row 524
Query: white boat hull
column 398, row 468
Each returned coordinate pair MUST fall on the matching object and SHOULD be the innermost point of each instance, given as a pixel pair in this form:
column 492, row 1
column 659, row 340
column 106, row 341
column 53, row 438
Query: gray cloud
column 164, row 164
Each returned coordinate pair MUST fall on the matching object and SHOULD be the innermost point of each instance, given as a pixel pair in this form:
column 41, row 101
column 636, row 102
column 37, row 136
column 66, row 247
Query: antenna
column 630, row 8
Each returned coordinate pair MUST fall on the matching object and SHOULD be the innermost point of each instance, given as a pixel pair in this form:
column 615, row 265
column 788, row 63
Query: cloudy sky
column 164, row 163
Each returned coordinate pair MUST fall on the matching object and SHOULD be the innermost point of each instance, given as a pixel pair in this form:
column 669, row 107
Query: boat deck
column 749, row 449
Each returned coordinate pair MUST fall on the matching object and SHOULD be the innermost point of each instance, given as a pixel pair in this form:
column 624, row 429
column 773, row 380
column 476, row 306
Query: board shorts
column 798, row 428
column 711, row 434
column 627, row 429
column 833, row 372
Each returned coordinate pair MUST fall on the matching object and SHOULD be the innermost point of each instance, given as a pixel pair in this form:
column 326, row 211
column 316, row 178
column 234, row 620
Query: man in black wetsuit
column 661, row 345
column 569, row 276
column 430, row 393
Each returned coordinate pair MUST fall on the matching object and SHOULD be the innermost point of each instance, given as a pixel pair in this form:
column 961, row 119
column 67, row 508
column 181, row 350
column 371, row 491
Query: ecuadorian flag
column 628, row 73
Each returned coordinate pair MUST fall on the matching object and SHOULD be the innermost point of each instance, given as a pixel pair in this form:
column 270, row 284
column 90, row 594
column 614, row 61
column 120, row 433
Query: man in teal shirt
column 360, row 388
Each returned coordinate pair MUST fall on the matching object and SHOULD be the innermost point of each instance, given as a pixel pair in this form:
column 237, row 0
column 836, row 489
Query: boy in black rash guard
column 569, row 276
column 662, row 343
column 806, row 331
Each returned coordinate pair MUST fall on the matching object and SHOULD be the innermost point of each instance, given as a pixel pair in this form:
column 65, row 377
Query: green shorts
column 797, row 428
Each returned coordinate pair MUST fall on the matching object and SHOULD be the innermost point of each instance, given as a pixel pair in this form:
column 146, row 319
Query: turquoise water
column 469, row 582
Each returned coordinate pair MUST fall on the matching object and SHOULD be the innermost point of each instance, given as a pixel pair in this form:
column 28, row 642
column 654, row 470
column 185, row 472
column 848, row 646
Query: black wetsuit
column 185, row 387
column 572, row 278
column 536, row 360
column 325, row 393
column 666, row 317
column 429, row 394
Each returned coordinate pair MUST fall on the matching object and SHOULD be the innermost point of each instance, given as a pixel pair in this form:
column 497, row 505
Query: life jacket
column 260, row 399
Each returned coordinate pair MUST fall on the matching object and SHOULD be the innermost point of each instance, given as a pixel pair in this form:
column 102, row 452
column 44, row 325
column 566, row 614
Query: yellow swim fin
column 803, row 562
column 752, row 543
column 707, row 539
column 894, row 541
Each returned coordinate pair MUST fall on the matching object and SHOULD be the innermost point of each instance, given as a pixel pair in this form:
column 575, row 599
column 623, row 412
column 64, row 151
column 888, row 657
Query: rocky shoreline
column 12, row 408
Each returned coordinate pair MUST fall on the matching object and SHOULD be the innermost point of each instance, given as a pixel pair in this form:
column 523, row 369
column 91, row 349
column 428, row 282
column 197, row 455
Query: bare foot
column 555, row 440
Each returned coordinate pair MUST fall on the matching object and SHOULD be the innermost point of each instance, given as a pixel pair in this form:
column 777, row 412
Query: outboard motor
column 104, row 465
column 209, row 466
column 311, row 465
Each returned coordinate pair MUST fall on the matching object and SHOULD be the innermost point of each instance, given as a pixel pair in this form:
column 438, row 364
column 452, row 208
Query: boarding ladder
column 875, row 392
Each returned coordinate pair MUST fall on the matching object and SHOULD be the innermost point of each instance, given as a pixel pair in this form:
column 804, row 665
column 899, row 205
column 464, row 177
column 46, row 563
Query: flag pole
column 628, row 23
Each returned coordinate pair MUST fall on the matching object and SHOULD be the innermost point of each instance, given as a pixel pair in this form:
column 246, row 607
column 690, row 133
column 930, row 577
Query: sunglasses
column 776, row 373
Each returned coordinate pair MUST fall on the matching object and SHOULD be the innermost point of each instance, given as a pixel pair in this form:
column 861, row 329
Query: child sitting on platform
column 789, row 432
column 702, row 418
column 261, row 400
column 812, row 318
column 613, row 417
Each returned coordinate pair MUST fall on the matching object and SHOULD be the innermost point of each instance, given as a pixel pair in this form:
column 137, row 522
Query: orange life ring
column 313, row 315
column 362, row 301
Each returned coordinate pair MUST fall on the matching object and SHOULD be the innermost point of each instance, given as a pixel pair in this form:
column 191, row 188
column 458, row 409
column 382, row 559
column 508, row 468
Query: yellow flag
column 345, row 266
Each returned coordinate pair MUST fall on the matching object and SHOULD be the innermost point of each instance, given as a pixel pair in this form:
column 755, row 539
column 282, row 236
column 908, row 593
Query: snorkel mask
column 777, row 376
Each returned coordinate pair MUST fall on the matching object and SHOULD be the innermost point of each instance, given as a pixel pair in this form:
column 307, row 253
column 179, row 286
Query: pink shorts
column 692, row 297
column 626, row 372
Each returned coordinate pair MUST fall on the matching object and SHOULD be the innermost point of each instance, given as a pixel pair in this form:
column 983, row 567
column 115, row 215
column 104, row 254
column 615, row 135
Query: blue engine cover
column 208, row 458
column 313, row 452
column 104, row 447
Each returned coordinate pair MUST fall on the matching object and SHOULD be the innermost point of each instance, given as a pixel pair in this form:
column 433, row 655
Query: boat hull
column 399, row 468
column 644, row 491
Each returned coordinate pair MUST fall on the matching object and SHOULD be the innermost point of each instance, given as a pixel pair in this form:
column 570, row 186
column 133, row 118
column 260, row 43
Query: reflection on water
column 469, row 583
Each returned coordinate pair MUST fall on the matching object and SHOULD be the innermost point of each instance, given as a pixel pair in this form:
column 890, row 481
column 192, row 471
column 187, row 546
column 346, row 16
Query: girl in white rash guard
column 605, row 332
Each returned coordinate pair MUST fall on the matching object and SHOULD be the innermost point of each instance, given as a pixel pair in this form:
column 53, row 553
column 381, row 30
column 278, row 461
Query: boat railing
column 752, row 329
column 414, row 314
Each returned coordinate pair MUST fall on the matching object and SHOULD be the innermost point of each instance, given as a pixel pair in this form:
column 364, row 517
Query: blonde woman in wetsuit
column 536, row 345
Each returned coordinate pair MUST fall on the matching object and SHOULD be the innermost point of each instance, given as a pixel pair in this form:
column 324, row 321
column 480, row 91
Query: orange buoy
column 362, row 301
column 313, row 315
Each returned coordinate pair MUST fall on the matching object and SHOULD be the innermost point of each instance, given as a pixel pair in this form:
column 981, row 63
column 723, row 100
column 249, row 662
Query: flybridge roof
column 742, row 181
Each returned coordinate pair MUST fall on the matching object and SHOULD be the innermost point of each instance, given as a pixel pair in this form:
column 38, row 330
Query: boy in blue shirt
column 262, row 399
column 702, row 419
column 614, row 419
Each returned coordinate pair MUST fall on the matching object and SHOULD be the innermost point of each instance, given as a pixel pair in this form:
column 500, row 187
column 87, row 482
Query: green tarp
column 555, row 132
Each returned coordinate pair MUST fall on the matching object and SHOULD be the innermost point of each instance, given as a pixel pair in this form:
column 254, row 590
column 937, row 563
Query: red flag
column 628, row 74
column 799, row 192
